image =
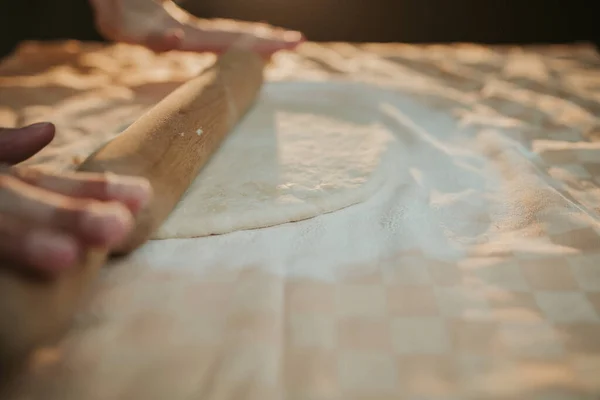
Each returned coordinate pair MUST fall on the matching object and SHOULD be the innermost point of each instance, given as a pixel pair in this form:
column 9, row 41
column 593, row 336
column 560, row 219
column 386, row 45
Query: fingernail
column 106, row 224
column 293, row 36
column 51, row 250
column 36, row 126
column 134, row 192
column 177, row 33
column 41, row 125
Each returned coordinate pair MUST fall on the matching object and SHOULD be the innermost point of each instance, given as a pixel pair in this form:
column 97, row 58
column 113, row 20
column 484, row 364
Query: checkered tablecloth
column 475, row 275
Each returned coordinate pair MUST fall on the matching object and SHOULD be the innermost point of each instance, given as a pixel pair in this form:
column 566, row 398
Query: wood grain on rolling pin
column 168, row 145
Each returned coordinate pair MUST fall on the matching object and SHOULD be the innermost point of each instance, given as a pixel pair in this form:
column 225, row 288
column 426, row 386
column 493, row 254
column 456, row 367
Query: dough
column 305, row 149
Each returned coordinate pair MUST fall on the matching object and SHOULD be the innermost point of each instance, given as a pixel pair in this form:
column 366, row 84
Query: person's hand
column 162, row 26
column 47, row 221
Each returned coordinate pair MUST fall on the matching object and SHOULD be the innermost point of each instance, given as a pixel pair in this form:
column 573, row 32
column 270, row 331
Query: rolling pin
column 168, row 145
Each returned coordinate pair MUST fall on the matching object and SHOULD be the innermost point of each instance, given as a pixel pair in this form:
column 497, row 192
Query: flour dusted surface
column 471, row 274
column 303, row 150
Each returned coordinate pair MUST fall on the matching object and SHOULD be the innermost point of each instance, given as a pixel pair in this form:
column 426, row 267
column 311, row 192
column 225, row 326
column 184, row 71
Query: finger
column 96, row 223
column 133, row 192
column 220, row 41
column 18, row 144
column 36, row 247
column 104, row 16
column 163, row 42
column 289, row 41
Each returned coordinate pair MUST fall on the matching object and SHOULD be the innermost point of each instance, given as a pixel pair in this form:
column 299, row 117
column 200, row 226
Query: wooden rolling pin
column 168, row 145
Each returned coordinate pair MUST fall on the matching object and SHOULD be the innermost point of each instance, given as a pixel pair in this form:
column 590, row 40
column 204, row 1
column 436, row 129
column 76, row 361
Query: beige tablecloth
column 473, row 274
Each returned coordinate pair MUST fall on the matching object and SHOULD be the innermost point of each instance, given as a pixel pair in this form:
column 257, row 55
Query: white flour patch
column 394, row 216
column 303, row 150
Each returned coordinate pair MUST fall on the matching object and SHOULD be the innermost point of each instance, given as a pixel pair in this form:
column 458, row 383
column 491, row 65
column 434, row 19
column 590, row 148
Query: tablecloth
column 473, row 274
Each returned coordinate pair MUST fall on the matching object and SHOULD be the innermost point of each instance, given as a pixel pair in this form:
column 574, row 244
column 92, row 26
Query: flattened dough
column 305, row 149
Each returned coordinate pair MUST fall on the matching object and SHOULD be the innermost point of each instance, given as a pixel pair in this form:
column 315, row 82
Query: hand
column 47, row 221
column 162, row 26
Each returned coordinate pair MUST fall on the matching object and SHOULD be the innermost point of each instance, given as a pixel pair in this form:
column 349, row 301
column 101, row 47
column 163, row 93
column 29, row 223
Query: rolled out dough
column 304, row 149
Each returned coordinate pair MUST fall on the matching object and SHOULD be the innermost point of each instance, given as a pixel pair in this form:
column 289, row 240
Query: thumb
column 18, row 144
column 162, row 42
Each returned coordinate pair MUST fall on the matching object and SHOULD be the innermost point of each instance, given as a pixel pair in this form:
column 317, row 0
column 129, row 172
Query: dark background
column 483, row 21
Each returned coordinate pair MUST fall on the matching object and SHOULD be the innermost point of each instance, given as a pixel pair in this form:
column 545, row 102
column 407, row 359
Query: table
column 474, row 275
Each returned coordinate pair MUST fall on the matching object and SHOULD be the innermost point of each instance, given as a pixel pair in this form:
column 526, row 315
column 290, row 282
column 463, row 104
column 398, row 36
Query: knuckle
column 5, row 181
column 91, row 185
column 81, row 206
column 76, row 217
column 103, row 184
column 9, row 226
column 4, row 224
column 74, row 210
column 31, row 175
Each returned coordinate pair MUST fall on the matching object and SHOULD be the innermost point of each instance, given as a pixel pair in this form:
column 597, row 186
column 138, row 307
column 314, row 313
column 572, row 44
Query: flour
column 305, row 149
